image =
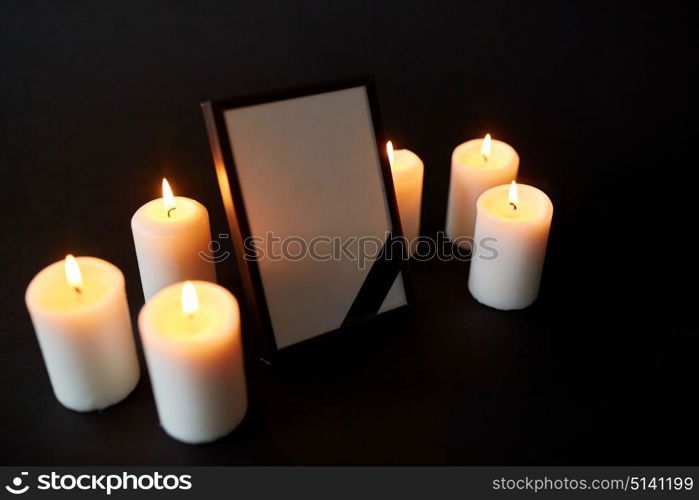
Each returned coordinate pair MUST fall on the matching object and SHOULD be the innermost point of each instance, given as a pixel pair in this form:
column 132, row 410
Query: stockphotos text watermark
column 104, row 483
column 360, row 249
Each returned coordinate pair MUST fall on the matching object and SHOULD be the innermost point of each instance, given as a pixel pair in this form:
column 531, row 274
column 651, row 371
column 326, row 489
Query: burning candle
column 407, row 170
column 476, row 166
column 81, row 318
column 512, row 229
column 191, row 338
column 172, row 238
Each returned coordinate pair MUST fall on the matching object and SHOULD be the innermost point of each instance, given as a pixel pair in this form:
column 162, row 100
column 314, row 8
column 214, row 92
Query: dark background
column 101, row 99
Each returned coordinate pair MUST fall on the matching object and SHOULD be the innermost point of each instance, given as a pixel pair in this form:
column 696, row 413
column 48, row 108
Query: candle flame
column 389, row 148
column 486, row 146
column 168, row 197
column 73, row 275
column 513, row 197
column 190, row 301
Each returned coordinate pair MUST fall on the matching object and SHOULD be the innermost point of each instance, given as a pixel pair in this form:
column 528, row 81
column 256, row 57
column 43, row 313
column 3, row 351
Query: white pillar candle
column 476, row 166
column 191, row 337
column 172, row 237
column 407, row 170
column 512, row 230
column 81, row 319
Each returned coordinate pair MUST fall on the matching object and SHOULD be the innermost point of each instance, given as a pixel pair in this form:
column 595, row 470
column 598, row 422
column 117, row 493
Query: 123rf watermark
column 624, row 483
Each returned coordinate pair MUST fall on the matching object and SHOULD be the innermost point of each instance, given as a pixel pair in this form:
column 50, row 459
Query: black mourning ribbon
column 381, row 276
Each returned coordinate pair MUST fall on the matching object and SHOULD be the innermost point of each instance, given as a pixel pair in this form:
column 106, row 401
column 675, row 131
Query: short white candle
column 171, row 235
column 506, row 268
column 191, row 338
column 476, row 166
column 81, row 319
column 407, row 170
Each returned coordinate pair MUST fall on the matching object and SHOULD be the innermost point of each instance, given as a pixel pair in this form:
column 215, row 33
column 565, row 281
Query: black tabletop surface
column 100, row 100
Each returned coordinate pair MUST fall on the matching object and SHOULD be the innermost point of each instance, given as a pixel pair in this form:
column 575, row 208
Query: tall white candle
column 476, row 166
column 171, row 234
column 191, row 337
column 512, row 229
column 81, row 319
column 407, row 170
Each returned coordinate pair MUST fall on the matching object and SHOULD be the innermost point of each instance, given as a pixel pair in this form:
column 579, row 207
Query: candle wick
column 78, row 291
column 170, row 210
column 513, row 205
column 485, row 158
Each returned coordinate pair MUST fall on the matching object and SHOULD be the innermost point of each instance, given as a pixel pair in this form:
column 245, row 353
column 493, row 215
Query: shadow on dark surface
column 452, row 382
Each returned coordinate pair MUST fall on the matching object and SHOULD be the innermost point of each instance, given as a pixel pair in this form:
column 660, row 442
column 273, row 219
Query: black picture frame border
column 222, row 153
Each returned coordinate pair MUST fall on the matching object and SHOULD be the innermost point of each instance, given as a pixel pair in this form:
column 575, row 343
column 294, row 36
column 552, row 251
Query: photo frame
column 307, row 166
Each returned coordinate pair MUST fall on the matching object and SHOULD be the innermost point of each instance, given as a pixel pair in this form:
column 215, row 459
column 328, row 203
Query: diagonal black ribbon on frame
column 378, row 282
